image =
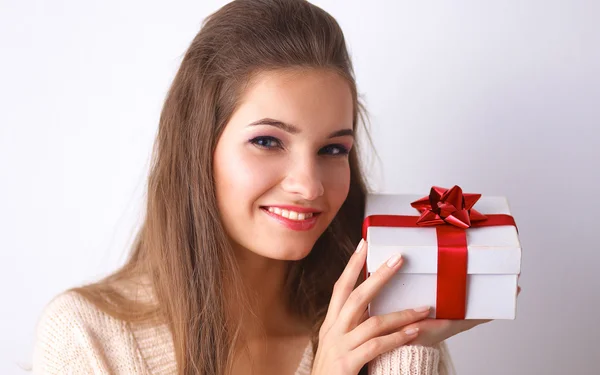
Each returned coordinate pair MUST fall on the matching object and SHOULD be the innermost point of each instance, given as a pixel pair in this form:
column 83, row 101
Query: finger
column 379, row 345
column 432, row 331
column 451, row 326
column 518, row 290
column 383, row 324
column 364, row 316
column 345, row 284
column 360, row 297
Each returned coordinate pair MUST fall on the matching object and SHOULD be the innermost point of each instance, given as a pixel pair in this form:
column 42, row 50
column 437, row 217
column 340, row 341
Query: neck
column 263, row 282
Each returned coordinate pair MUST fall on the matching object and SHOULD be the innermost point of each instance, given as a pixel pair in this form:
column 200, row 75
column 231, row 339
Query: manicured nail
column 360, row 246
column 394, row 260
column 422, row 309
column 411, row 331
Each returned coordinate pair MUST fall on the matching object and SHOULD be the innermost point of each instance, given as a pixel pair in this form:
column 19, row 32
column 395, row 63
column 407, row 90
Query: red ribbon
column 451, row 212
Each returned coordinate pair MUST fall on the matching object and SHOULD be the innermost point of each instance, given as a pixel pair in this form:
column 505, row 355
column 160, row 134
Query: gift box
column 461, row 253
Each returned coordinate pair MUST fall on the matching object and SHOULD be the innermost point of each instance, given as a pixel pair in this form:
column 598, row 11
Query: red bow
column 448, row 206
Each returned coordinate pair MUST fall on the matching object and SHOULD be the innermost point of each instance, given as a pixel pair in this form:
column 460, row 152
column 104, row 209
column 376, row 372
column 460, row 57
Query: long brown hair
column 182, row 248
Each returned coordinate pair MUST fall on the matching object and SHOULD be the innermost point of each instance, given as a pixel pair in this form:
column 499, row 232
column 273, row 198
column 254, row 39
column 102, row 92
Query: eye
column 334, row 150
column 266, row 142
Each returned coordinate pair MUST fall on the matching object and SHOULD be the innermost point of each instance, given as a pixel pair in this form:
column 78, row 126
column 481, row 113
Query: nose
column 304, row 180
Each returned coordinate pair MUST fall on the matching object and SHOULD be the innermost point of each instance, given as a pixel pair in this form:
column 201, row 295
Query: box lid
column 492, row 250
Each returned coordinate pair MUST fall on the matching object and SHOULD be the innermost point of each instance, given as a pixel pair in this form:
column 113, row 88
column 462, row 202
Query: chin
column 289, row 253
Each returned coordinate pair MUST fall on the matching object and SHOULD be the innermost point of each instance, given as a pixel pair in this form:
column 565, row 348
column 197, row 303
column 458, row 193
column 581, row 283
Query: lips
column 290, row 214
column 295, row 218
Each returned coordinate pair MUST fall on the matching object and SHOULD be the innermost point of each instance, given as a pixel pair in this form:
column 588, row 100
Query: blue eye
column 334, row 150
column 266, row 142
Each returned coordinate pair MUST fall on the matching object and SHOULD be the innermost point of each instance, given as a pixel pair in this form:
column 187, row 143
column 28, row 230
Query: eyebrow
column 292, row 129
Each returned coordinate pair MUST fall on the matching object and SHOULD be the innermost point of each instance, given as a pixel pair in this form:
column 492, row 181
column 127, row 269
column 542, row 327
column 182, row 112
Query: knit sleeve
column 73, row 337
column 407, row 360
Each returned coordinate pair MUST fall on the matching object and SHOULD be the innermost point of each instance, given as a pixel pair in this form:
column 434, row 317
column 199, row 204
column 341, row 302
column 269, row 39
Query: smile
column 289, row 214
column 291, row 219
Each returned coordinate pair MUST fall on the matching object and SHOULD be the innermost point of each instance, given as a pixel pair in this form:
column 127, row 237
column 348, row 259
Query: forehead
column 303, row 97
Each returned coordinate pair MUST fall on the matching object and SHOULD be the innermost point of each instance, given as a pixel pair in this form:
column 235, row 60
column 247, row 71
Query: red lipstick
column 304, row 210
column 299, row 225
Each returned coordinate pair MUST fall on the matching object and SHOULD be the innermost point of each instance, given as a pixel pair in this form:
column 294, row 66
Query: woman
column 246, row 259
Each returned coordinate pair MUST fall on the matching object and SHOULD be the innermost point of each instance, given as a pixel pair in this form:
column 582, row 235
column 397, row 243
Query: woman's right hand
column 348, row 338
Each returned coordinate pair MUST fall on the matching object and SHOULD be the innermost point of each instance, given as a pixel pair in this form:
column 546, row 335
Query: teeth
column 292, row 215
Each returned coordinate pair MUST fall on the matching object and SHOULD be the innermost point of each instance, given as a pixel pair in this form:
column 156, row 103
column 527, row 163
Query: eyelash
column 343, row 151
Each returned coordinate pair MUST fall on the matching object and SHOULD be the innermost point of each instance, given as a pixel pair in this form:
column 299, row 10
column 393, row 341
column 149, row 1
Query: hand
column 348, row 338
column 434, row 331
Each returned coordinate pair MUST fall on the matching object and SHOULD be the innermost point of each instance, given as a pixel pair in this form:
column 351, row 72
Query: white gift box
column 494, row 260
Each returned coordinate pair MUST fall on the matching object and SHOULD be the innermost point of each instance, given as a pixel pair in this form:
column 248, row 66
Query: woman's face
column 281, row 165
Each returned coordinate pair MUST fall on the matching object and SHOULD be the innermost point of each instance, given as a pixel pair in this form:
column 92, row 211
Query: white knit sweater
column 74, row 337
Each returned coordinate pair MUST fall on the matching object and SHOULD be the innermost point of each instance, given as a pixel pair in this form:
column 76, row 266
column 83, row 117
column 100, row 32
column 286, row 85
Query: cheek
column 241, row 178
column 337, row 185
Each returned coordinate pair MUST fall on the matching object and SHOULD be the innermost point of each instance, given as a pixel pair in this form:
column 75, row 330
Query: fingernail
column 360, row 246
column 394, row 260
column 411, row 331
column 422, row 309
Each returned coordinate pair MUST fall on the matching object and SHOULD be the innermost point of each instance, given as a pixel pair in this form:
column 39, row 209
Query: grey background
column 499, row 97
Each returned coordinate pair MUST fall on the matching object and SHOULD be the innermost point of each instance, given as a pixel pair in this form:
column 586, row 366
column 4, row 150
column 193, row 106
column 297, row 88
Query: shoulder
column 74, row 336
column 71, row 309
column 70, row 315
